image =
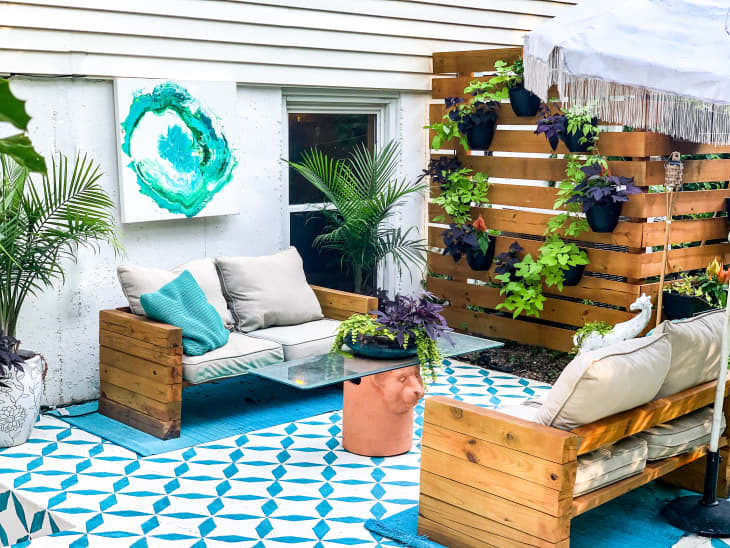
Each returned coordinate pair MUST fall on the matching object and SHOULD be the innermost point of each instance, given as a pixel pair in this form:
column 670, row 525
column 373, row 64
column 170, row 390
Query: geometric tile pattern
column 289, row 484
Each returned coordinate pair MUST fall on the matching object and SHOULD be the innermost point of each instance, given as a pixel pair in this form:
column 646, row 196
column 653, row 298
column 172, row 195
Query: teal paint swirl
column 193, row 160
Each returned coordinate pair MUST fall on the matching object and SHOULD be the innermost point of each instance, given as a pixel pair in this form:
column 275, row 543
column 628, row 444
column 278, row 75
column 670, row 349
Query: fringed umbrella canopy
column 661, row 65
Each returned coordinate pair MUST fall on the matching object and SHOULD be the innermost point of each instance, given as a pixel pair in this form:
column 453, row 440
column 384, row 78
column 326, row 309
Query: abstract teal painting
column 177, row 157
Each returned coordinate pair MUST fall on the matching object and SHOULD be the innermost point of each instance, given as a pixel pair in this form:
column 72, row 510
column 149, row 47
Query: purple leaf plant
column 405, row 315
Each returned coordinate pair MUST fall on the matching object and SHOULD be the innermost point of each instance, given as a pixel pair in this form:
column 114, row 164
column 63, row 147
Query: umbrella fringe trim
column 634, row 106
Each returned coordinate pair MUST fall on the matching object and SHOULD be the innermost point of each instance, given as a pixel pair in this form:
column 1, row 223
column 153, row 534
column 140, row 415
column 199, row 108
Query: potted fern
column 41, row 228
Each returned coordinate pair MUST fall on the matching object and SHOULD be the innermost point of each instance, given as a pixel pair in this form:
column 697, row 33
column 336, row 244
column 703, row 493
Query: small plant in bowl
column 472, row 123
column 689, row 295
column 402, row 326
column 602, row 195
column 524, row 102
column 577, row 127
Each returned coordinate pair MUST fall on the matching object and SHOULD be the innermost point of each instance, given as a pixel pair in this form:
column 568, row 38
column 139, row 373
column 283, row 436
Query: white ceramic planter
column 20, row 402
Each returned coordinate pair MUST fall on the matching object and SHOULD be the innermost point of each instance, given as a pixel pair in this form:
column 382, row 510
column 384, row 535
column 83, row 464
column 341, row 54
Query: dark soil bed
column 531, row 362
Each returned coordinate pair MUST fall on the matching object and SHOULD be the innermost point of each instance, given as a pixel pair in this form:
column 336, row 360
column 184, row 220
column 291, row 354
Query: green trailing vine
column 463, row 187
column 601, row 327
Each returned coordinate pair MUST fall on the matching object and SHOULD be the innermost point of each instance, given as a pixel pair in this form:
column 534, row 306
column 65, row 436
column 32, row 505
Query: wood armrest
column 140, row 328
column 340, row 305
column 492, row 426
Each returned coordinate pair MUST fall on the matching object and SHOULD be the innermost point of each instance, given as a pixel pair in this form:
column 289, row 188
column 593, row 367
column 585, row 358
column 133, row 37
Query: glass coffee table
column 378, row 395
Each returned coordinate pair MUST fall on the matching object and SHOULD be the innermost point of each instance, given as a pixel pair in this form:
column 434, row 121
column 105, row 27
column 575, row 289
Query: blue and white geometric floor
column 289, row 484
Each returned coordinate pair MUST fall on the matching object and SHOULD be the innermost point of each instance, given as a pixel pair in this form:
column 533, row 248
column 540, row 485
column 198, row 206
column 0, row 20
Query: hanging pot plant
column 601, row 196
column 480, row 258
column 524, row 102
column 573, row 274
column 552, row 124
column 473, row 123
column 577, row 128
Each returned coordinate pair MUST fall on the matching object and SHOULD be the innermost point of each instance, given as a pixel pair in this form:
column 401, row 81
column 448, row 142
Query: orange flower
column 724, row 275
column 480, row 225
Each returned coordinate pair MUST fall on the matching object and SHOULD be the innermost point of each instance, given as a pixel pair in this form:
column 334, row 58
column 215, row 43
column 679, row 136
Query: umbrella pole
column 707, row 515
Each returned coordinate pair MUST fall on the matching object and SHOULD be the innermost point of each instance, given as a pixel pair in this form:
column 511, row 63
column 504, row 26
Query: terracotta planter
column 377, row 414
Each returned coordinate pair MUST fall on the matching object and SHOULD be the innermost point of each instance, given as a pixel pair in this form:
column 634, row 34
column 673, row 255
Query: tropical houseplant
column 402, row 326
column 18, row 146
column 523, row 101
column 365, row 195
column 691, row 294
column 41, row 228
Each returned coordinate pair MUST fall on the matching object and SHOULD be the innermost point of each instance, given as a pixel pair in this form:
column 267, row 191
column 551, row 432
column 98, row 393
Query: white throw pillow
column 137, row 280
column 695, row 351
column 267, row 291
column 606, row 381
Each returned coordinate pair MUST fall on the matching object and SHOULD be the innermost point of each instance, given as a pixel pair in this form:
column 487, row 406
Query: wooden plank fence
column 622, row 264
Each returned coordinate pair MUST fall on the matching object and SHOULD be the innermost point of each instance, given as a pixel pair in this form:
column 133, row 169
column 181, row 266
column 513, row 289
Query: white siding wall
column 264, row 45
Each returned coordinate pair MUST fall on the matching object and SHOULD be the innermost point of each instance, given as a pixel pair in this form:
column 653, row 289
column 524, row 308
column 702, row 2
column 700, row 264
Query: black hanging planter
column 480, row 136
column 481, row 261
column 573, row 141
column 677, row 307
column 524, row 102
column 573, row 275
column 604, row 217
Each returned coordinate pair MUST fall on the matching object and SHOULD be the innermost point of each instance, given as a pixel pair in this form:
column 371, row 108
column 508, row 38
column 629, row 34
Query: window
column 335, row 124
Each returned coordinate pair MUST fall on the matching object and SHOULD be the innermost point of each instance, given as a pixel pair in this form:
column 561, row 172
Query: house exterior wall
column 68, row 51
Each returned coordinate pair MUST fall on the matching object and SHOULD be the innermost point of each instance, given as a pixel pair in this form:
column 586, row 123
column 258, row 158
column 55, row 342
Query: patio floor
column 289, row 484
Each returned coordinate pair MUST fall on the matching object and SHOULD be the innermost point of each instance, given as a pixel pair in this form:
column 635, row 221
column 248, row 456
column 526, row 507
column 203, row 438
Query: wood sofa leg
column 140, row 373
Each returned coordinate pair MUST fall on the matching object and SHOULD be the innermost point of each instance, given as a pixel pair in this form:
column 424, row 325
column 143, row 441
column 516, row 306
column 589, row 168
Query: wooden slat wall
column 523, row 204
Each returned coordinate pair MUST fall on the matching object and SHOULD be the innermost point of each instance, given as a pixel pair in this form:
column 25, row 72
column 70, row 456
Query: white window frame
column 385, row 105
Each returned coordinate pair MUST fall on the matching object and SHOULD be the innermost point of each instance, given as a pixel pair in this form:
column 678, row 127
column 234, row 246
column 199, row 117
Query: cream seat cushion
column 609, row 464
column 137, row 280
column 241, row 354
column 527, row 410
column 695, row 351
column 606, row 381
column 303, row 340
column 268, row 291
column 680, row 435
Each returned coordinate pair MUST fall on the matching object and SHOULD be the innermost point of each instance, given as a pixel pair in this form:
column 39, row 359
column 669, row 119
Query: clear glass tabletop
column 325, row 369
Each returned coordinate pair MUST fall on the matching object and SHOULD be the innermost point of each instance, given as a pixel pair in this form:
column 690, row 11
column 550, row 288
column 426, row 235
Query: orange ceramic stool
column 377, row 414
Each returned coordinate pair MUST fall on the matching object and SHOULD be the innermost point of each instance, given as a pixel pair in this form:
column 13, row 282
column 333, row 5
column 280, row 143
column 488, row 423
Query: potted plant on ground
column 403, row 326
column 523, row 101
column 602, row 195
column 473, row 123
column 41, row 227
column 691, row 294
column 365, row 197
column 577, row 128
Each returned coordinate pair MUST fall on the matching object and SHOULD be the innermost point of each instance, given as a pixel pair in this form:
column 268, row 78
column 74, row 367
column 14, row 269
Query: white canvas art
column 176, row 149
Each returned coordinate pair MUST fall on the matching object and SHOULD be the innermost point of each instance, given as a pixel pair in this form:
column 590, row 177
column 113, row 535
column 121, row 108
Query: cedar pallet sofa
column 491, row 479
column 140, row 363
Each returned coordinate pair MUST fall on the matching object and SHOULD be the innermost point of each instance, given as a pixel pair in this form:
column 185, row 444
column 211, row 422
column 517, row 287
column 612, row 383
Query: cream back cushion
column 136, row 280
column 267, row 291
column 606, row 381
column 695, row 351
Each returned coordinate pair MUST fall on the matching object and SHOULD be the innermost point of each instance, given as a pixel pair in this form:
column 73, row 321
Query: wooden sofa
column 490, row 479
column 140, row 363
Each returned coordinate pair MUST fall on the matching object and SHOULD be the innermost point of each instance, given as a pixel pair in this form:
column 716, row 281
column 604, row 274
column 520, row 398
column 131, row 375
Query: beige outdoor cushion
column 303, row 340
column 606, row 381
column 137, row 280
column 680, row 435
column 527, row 410
column 695, row 351
column 609, row 464
column 239, row 355
column 267, row 291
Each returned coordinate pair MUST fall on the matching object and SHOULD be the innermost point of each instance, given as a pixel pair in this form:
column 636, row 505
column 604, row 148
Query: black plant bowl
column 481, row 261
column 380, row 348
column 524, row 102
column 573, row 275
column 677, row 307
column 604, row 217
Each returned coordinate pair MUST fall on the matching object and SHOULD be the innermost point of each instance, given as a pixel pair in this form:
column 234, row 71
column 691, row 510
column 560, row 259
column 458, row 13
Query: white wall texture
column 264, row 45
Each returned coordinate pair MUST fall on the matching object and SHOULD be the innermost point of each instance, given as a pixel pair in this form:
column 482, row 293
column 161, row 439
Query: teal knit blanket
column 183, row 304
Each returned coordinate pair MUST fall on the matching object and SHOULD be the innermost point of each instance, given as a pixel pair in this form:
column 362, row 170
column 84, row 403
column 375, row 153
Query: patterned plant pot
column 20, row 402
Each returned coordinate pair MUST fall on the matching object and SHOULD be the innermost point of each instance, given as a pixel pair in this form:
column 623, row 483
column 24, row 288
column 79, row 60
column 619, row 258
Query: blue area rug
column 213, row 411
column 631, row 520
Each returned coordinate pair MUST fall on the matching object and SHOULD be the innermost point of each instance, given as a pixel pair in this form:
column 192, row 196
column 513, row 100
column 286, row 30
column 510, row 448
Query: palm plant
column 365, row 194
column 42, row 226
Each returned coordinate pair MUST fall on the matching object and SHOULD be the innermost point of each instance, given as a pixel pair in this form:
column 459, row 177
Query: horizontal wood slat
column 156, row 372
column 143, row 386
column 141, row 349
column 165, row 411
column 473, row 61
column 140, row 328
column 154, row 427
